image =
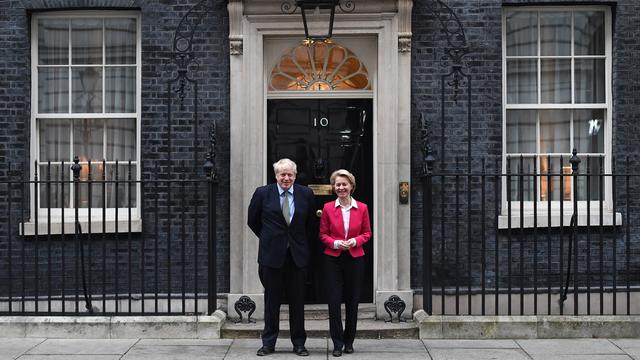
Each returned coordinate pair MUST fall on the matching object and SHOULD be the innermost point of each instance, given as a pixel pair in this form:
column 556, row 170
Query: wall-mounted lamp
column 308, row 7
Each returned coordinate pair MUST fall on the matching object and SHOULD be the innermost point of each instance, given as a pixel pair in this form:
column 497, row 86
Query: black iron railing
column 84, row 240
column 563, row 240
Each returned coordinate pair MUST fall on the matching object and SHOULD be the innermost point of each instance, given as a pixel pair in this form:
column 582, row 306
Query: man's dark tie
column 285, row 207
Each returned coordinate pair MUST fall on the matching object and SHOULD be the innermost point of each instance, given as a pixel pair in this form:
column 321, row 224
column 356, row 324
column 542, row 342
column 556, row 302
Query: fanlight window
column 319, row 67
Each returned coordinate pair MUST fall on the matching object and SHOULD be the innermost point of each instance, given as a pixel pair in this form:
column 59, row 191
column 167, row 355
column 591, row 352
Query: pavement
column 320, row 348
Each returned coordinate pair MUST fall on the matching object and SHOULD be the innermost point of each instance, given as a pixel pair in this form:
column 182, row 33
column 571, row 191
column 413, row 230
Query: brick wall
column 482, row 26
column 159, row 22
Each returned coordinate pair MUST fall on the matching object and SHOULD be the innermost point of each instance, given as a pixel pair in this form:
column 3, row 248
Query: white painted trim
column 592, row 221
column 321, row 95
column 34, row 153
column 56, row 227
column 607, row 106
column 391, row 139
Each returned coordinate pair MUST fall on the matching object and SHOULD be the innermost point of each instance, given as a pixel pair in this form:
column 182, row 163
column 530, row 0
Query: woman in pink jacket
column 344, row 228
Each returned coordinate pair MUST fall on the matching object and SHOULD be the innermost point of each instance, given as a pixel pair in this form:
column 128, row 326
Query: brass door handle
column 319, row 213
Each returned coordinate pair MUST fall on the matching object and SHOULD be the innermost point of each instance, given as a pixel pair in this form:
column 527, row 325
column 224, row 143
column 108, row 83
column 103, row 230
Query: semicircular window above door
column 319, row 67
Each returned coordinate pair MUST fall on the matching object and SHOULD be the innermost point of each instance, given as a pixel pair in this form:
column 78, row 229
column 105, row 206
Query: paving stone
column 368, row 355
column 477, row 354
column 395, row 345
column 70, row 357
column 13, row 347
column 471, row 344
column 246, row 348
column 186, row 342
column 582, row 357
column 83, row 347
column 569, row 347
column 177, row 352
column 627, row 343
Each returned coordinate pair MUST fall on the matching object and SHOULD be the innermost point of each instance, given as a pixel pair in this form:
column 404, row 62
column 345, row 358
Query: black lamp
column 307, row 7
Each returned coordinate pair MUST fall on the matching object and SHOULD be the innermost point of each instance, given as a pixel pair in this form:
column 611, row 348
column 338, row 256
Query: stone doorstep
column 320, row 312
column 113, row 327
column 526, row 327
column 367, row 329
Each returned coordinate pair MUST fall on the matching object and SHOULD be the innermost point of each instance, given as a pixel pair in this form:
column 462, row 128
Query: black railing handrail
column 512, row 260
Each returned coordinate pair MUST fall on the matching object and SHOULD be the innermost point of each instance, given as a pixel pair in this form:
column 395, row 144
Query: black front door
column 323, row 135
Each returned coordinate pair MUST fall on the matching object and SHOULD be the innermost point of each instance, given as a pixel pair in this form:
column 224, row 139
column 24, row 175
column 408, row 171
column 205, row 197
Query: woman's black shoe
column 348, row 349
column 336, row 353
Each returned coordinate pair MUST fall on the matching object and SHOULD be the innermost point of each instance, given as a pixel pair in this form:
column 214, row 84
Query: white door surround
column 251, row 24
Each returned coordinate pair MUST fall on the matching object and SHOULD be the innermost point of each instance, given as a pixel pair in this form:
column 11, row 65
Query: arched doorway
column 379, row 33
column 322, row 133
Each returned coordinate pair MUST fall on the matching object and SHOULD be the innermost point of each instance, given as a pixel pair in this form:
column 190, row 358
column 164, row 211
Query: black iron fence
column 92, row 238
column 543, row 236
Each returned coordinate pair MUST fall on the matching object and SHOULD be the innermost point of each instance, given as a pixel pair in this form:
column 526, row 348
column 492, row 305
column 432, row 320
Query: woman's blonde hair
column 344, row 173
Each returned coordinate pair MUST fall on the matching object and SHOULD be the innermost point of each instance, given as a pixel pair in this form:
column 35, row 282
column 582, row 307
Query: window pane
column 554, row 131
column 555, row 81
column 319, row 67
column 88, row 135
column 592, row 166
column 120, row 41
column 588, row 131
column 87, row 89
column 522, row 33
column 53, row 90
column 520, row 182
column 557, row 185
column 590, row 78
column 121, row 139
column 55, row 139
column 522, row 81
column 123, row 193
column 120, row 87
column 52, row 193
column 589, row 33
column 96, row 199
column 53, row 41
column 86, row 41
column 521, row 131
column 555, row 33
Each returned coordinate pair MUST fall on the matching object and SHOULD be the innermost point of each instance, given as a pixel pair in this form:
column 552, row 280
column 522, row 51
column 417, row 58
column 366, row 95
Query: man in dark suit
column 280, row 214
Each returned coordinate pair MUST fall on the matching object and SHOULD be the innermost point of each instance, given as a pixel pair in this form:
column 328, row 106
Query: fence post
column 212, row 182
column 427, row 220
column 575, row 170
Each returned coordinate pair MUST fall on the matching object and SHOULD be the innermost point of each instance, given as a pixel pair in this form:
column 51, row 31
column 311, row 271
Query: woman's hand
column 351, row 243
column 343, row 245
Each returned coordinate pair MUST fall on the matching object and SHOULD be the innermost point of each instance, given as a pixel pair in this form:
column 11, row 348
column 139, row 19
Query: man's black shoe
column 265, row 350
column 300, row 350
column 348, row 349
column 336, row 353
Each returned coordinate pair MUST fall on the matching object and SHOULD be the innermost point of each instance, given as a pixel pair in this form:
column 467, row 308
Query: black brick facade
column 482, row 25
column 159, row 20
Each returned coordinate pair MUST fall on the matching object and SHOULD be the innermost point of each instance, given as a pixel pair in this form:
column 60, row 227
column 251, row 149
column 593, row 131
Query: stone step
column 321, row 312
column 318, row 312
column 367, row 329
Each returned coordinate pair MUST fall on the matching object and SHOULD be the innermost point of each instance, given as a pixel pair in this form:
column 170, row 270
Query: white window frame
column 55, row 214
column 542, row 206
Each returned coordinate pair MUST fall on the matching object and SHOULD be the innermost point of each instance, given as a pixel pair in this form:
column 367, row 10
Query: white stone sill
column 56, row 226
column 543, row 219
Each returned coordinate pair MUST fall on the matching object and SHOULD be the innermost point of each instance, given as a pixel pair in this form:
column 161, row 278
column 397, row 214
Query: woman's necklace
column 347, row 202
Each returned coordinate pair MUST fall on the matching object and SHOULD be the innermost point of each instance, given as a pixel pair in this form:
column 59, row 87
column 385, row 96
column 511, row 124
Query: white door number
column 324, row 122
